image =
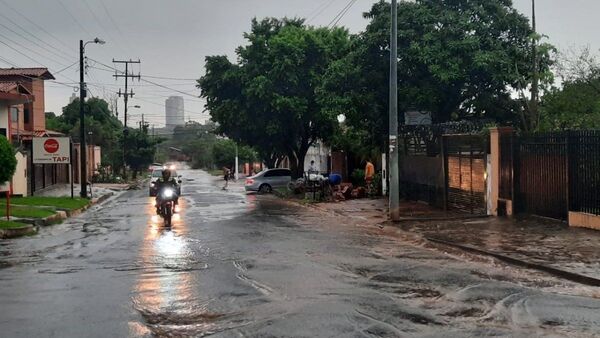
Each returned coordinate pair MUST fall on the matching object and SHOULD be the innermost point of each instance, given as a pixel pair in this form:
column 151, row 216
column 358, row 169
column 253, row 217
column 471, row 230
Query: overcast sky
column 172, row 37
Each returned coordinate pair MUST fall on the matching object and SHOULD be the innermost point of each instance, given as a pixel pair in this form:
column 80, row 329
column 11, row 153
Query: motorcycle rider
column 163, row 182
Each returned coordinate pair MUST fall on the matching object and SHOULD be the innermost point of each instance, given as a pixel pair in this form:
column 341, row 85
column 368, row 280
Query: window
column 3, row 132
column 270, row 173
column 284, row 172
column 14, row 114
column 26, row 115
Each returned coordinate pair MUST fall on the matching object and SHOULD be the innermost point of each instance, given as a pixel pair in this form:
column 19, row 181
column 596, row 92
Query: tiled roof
column 27, row 72
column 8, row 86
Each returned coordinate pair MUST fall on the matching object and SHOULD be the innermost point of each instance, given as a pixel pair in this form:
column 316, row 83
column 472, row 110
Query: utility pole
column 127, row 75
column 82, row 146
column 126, row 96
column 393, row 124
column 82, row 94
column 534, row 111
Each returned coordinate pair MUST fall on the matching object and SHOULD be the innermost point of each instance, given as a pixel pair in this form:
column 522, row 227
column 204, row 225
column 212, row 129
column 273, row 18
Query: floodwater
column 237, row 265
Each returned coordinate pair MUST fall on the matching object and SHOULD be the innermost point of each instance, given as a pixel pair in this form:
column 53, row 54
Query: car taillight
column 249, row 182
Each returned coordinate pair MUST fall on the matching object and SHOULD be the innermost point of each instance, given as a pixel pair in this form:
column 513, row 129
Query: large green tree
column 102, row 127
column 574, row 106
column 140, row 148
column 8, row 161
column 269, row 100
column 458, row 59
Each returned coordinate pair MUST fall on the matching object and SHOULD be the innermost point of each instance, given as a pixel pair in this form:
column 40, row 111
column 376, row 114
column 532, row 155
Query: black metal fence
column 583, row 156
column 444, row 165
column 554, row 173
column 541, row 171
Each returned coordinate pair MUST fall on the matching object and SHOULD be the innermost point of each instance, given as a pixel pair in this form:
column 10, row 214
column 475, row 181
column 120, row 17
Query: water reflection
column 164, row 294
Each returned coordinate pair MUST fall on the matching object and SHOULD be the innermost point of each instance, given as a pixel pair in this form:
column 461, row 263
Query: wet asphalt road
column 237, row 265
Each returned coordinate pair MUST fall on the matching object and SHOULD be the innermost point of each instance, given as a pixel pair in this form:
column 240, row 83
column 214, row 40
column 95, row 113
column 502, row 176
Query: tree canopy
column 8, row 161
column 457, row 59
column 268, row 100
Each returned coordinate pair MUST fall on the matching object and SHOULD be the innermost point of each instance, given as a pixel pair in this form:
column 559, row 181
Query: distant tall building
column 174, row 112
column 73, row 98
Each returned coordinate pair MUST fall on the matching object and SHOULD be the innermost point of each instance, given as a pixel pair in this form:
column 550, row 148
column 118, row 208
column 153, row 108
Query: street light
column 82, row 94
column 394, row 198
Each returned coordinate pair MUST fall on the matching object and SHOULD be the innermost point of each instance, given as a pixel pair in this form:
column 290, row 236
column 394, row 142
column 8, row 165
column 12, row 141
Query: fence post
column 445, row 170
column 567, row 172
column 495, row 171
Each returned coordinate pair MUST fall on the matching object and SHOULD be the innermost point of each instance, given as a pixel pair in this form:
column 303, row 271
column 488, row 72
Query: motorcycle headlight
column 168, row 193
column 152, row 184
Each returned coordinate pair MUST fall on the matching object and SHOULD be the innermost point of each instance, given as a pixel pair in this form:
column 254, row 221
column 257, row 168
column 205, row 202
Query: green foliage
column 575, row 106
column 224, row 154
column 139, row 149
column 269, row 100
column 8, row 161
column 358, row 177
column 458, row 59
column 101, row 126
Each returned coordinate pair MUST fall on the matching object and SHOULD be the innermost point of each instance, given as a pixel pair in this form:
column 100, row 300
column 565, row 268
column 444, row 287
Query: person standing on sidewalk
column 369, row 175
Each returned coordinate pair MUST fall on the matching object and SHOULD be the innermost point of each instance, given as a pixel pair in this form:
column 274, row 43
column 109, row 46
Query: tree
column 457, row 59
column 8, row 161
column 140, row 149
column 269, row 100
column 575, row 106
column 102, row 127
column 224, row 153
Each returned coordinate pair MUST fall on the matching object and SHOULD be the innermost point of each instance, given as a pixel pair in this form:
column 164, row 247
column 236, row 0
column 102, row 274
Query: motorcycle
column 166, row 208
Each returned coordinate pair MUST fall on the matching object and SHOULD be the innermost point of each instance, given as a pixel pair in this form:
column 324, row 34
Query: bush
column 8, row 161
column 358, row 177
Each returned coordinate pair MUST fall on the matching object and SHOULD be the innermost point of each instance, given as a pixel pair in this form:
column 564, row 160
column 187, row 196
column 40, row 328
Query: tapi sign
column 51, row 150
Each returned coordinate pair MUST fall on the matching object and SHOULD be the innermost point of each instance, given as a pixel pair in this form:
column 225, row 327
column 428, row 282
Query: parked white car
column 267, row 180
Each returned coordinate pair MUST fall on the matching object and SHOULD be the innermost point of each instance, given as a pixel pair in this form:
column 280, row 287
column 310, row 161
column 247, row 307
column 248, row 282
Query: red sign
column 51, row 145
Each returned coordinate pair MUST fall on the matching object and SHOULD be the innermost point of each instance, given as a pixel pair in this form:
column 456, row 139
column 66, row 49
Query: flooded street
column 237, row 265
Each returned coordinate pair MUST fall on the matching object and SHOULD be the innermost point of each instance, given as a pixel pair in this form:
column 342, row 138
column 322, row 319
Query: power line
column 111, row 18
column 320, row 10
column 32, row 35
column 37, row 44
column 169, row 78
column 8, row 62
column 341, row 14
column 74, row 18
column 36, row 25
column 148, row 81
column 33, row 51
column 99, row 22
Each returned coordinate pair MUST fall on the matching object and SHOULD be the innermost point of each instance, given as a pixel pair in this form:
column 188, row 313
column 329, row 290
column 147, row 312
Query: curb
column 99, row 200
column 571, row 276
column 18, row 232
column 574, row 277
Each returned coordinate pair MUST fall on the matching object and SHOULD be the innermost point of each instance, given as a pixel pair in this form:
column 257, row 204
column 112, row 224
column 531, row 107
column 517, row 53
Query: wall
column 4, row 117
column 20, row 178
column 320, row 154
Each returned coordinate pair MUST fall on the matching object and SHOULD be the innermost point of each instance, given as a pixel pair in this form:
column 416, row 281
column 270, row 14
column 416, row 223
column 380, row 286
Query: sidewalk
column 98, row 189
column 547, row 245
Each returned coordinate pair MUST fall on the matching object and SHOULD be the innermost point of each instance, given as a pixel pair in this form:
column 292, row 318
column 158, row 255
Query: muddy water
column 243, row 265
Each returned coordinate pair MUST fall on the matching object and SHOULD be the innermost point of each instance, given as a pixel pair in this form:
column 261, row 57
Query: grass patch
column 27, row 212
column 11, row 225
column 66, row 203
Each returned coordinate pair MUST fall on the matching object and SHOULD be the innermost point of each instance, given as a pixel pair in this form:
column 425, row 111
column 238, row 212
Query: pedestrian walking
column 226, row 173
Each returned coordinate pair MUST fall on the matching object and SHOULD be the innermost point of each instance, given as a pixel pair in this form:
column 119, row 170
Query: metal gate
column 465, row 167
column 541, row 175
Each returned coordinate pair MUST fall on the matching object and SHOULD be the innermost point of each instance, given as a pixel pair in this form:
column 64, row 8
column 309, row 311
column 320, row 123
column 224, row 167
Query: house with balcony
column 22, row 117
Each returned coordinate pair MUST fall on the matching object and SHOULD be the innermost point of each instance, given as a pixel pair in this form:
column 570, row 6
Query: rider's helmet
column 166, row 174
